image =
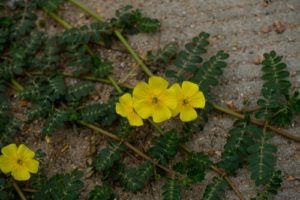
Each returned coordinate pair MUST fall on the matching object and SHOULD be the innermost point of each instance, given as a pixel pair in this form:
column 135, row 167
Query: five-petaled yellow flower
column 154, row 99
column 188, row 97
column 19, row 161
column 125, row 109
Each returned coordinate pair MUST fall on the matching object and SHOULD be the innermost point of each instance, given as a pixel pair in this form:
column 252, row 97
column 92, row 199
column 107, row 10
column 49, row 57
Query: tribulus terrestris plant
column 35, row 66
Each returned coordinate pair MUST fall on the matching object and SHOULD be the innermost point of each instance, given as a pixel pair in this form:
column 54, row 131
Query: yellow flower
column 125, row 109
column 188, row 97
column 19, row 161
column 154, row 99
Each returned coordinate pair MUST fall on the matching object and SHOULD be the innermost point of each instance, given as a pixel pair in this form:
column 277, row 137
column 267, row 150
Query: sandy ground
column 245, row 29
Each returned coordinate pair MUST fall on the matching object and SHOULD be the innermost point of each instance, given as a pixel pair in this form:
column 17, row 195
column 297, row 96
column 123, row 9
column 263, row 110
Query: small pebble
column 279, row 26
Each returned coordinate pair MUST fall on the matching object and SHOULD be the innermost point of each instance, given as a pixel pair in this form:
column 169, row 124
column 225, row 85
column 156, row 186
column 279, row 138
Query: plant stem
column 19, row 191
column 17, row 85
column 257, row 122
column 133, row 53
column 117, row 33
column 101, row 80
column 86, row 10
column 62, row 22
column 129, row 146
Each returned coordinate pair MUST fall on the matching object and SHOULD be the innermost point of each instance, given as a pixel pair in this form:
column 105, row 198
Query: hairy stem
column 117, row 33
column 257, row 122
column 17, row 85
column 19, row 191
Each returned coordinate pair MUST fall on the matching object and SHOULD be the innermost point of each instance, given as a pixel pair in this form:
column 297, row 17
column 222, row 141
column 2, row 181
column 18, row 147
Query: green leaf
column 165, row 147
column 103, row 192
column 132, row 21
column 194, row 166
column 271, row 186
column 77, row 91
column 24, row 22
column 208, row 74
column 189, row 59
column 215, row 190
column 128, row 179
column 109, row 156
column 56, row 87
column 55, row 121
column 262, row 158
column 171, row 190
column 162, row 56
column 61, row 186
column 235, row 149
column 49, row 5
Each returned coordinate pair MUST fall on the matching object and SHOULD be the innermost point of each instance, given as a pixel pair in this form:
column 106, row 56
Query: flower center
column 154, row 100
column 185, row 101
column 19, row 161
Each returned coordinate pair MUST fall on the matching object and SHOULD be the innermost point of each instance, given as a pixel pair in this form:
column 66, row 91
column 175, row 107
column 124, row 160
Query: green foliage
column 277, row 105
column 24, row 22
column 109, row 156
column 207, row 75
column 194, row 166
column 55, row 121
column 128, row 178
column 101, row 68
column 165, row 147
column 6, row 191
column 51, row 56
column 171, row 190
column 56, row 87
column 145, row 171
column 103, row 192
column 189, row 60
column 133, row 22
column 61, row 186
column 235, row 149
column 272, row 185
column 8, row 69
column 262, row 160
column 9, row 125
column 215, row 190
column 162, row 56
column 49, row 5
column 77, row 91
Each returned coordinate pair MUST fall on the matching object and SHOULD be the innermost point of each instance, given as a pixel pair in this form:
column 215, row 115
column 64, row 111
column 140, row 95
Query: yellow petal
column 197, row 100
column 21, row 173
column 121, row 110
column 188, row 114
column 176, row 88
column 134, row 119
column 141, row 91
column 189, row 88
column 10, row 150
column 32, row 165
column 158, row 84
column 161, row 113
column 126, row 99
column 143, row 108
column 169, row 99
column 7, row 164
column 175, row 112
column 24, row 152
